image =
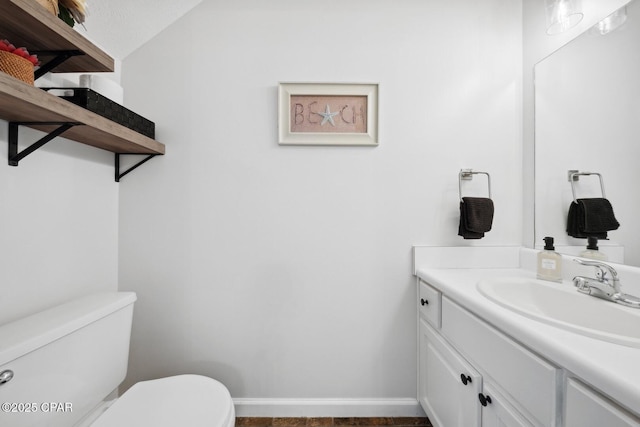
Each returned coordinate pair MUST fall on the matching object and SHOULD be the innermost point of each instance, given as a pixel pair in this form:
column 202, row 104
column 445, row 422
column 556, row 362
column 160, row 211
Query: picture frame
column 328, row 114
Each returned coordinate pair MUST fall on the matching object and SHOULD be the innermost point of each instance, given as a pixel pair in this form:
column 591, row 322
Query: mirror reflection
column 587, row 119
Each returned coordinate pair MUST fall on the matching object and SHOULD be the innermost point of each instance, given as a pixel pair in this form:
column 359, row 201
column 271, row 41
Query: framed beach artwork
column 328, row 114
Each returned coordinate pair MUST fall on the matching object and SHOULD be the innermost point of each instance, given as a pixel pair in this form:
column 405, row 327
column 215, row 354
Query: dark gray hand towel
column 591, row 217
column 476, row 217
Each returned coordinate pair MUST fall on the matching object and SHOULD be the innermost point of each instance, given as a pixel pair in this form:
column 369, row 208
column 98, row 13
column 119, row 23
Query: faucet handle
column 601, row 266
column 589, row 262
column 601, row 272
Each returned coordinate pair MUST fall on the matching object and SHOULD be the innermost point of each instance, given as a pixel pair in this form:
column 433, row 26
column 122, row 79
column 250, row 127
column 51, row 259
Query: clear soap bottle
column 549, row 262
column 592, row 250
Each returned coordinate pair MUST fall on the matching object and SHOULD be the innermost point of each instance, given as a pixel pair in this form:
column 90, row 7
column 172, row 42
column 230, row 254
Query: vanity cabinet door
column 448, row 386
column 584, row 407
column 498, row 412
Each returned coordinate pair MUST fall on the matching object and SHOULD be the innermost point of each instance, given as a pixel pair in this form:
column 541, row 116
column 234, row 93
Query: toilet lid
column 183, row 400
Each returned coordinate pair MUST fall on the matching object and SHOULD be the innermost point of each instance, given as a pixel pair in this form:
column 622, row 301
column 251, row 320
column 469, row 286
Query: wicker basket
column 50, row 5
column 16, row 66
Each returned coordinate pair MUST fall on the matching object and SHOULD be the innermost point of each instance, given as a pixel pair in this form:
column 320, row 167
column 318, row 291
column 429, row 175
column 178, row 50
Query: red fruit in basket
column 21, row 52
column 4, row 46
column 34, row 60
column 9, row 45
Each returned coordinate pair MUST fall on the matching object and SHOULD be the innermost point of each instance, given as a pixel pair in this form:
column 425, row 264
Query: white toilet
column 61, row 368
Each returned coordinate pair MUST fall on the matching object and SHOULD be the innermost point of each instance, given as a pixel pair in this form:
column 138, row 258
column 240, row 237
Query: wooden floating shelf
column 21, row 102
column 26, row 23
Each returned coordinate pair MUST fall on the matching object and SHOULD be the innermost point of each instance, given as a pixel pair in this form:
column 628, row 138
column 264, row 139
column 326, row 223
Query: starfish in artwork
column 328, row 116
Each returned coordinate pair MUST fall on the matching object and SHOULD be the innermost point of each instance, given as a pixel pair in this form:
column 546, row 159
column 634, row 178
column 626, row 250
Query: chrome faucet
column 605, row 285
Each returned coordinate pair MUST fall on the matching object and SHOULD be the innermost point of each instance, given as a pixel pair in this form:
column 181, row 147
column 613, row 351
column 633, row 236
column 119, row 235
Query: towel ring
column 573, row 177
column 467, row 174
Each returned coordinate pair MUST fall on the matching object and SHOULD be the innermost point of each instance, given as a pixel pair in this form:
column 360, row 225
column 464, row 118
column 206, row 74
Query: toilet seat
column 183, row 400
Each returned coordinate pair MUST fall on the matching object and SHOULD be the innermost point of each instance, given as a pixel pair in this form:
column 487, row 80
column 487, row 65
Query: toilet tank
column 64, row 360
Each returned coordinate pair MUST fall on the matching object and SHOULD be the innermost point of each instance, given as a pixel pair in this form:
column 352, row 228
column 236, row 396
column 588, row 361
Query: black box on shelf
column 94, row 102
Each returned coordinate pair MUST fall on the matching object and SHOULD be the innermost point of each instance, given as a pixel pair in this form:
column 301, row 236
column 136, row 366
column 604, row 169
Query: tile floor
column 332, row 422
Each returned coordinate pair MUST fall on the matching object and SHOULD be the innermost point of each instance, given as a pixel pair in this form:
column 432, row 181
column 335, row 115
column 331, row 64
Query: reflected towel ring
column 574, row 176
column 467, row 174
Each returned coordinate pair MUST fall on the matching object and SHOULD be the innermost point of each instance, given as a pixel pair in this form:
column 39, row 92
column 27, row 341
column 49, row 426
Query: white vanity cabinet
column 448, row 384
column 450, row 388
column 470, row 374
column 499, row 413
column 531, row 382
column 430, row 301
column 585, row 407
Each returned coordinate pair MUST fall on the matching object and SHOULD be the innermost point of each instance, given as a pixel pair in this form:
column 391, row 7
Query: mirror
column 587, row 118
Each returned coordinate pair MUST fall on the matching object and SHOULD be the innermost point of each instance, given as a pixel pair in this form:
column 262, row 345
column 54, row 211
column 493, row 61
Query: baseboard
column 328, row 408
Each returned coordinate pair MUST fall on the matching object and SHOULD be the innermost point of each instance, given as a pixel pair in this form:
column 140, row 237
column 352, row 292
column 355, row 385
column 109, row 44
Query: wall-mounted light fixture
column 612, row 22
column 562, row 15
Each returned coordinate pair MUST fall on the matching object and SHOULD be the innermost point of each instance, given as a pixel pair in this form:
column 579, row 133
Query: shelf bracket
column 119, row 175
column 15, row 156
column 59, row 56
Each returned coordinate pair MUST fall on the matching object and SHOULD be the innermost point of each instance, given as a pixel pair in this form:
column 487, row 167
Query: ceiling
column 121, row 26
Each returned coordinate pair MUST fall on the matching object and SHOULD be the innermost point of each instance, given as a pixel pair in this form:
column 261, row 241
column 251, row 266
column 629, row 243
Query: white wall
column 59, row 216
column 285, row 272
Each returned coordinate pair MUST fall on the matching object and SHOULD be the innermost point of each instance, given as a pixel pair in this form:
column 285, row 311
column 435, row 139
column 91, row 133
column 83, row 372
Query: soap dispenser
column 549, row 262
column 592, row 250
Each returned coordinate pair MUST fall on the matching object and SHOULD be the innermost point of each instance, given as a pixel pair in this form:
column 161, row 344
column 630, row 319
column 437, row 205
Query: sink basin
column 561, row 305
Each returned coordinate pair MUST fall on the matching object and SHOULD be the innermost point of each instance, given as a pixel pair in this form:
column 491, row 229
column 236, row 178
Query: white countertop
column 611, row 368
